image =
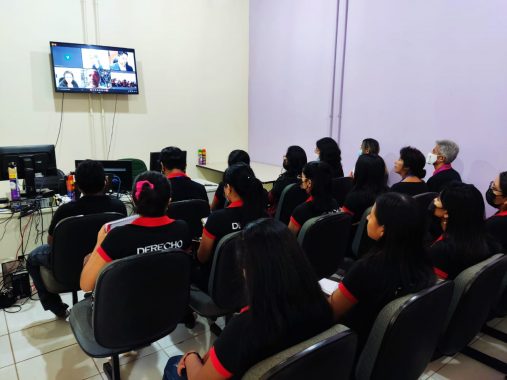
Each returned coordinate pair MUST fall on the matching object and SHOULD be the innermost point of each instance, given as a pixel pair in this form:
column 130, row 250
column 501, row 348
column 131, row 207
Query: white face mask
column 431, row 158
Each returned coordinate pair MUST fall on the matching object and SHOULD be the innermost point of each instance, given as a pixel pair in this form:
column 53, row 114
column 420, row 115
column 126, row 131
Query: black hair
column 237, row 156
column 503, row 183
column 466, row 226
column 402, row 242
column 296, row 160
column 330, row 152
column 281, row 285
column 121, row 52
column 414, row 161
column 90, row 177
column 320, row 174
column 370, row 174
column 152, row 202
column 242, row 179
column 372, row 145
column 173, row 158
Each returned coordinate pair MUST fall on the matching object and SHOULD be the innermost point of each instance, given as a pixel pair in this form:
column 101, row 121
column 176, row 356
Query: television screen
column 93, row 68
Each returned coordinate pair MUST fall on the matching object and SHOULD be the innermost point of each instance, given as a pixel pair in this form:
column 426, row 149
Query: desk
column 266, row 173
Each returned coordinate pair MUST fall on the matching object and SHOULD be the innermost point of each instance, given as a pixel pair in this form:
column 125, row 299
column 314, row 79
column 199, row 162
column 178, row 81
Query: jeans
column 170, row 370
column 39, row 257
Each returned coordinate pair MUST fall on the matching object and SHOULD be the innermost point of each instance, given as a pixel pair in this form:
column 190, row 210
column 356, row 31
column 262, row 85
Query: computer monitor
column 155, row 161
column 40, row 159
column 120, row 169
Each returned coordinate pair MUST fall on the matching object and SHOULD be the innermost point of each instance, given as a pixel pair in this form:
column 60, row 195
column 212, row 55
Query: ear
column 381, row 231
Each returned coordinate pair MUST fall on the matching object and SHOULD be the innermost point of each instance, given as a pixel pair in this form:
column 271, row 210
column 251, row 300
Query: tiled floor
column 34, row 345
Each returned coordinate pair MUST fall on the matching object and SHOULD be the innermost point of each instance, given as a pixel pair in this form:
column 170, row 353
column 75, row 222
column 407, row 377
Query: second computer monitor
column 119, row 168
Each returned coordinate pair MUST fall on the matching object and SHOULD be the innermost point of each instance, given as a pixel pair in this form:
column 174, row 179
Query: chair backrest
column 226, row 285
column 405, row 334
column 424, row 200
column 341, row 187
column 476, row 288
column 291, row 197
column 138, row 166
column 141, row 298
column 73, row 238
column 324, row 240
column 331, row 352
column 191, row 211
column 361, row 243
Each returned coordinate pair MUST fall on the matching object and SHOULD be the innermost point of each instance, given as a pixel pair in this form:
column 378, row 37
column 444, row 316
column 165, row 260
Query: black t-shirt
column 224, row 221
column 88, row 204
column 371, row 283
column 356, row 203
column 280, row 184
column 240, row 346
column 497, row 228
column 308, row 210
column 410, row 188
column 183, row 188
column 144, row 235
column 438, row 181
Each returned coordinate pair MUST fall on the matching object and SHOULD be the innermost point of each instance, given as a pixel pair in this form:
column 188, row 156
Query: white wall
column 192, row 58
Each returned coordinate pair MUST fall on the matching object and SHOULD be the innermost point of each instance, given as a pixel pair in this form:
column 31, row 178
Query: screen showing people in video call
column 85, row 68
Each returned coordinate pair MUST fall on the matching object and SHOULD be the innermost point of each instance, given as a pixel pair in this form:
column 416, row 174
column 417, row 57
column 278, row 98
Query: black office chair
column 73, row 238
column 341, row 187
column 226, row 293
column 405, row 334
column 361, row 242
column 291, row 197
column 191, row 211
column 324, row 239
column 138, row 166
column 327, row 355
column 425, row 199
column 137, row 301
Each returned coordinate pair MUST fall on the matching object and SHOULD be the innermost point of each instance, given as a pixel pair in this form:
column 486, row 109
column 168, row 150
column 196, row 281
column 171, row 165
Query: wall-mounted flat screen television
column 93, row 68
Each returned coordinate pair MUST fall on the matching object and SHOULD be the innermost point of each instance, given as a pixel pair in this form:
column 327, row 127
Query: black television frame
column 88, row 90
column 17, row 153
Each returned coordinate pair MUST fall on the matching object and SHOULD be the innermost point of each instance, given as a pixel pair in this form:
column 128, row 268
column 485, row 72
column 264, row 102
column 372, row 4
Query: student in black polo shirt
column 153, row 231
column 90, row 180
column 328, row 151
column 441, row 157
column 496, row 196
column 285, row 306
column 464, row 241
column 410, row 166
column 174, row 163
column 397, row 265
column 245, row 195
column 316, row 181
column 235, row 157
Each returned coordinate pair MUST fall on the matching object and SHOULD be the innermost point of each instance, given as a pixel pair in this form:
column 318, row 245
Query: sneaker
column 62, row 311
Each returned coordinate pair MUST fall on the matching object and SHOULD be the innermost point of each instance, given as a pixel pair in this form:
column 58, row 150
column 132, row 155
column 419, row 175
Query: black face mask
column 490, row 198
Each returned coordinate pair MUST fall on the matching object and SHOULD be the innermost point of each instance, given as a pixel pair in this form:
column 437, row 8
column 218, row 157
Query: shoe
column 189, row 320
column 62, row 311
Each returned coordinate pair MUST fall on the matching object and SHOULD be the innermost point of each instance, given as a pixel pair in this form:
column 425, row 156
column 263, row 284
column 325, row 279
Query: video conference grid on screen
column 89, row 68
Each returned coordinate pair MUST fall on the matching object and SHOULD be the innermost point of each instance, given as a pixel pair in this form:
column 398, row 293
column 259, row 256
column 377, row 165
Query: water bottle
column 199, row 157
column 203, row 154
column 13, row 181
column 71, row 186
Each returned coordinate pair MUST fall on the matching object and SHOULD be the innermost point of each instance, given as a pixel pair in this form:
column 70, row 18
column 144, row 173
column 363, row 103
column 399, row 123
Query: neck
column 93, row 194
column 438, row 165
column 174, row 171
column 234, row 197
column 411, row 178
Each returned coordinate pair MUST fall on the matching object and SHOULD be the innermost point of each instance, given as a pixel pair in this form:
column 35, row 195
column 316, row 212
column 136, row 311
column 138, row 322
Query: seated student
column 397, row 265
column 464, row 241
column 90, row 180
column 441, row 157
column 174, row 163
column 496, row 196
column 368, row 183
column 293, row 163
column 410, row 166
column 316, row 181
column 152, row 231
column 328, row 151
column 245, row 195
column 369, row 146
column 285, row 306
column 236, row 156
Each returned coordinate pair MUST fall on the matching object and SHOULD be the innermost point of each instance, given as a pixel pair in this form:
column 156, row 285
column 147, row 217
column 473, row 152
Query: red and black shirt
column 309, row 209
column 183, row 188
column 144, row 235
column 497, row 228
column 224, row 221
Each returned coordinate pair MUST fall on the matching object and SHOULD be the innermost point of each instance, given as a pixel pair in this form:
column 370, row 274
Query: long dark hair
column 370, row 174
column 281, row 286
column 330, row 152
column 242, row 178
column 466, row 227
column 237, row 156
column 402, row 243
column 152, row 197
column 296, row 159
column 414, row 160
column 320, row 174
column 372, row 145
column 503, row 183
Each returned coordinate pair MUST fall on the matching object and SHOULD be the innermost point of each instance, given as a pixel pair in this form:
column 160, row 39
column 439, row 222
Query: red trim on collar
column 310, row 199
column 442, row 168
column 152, row 222
column 245, row 309
column 217, row 365
column 501, row 213
column 177, row 175
column 236, row 204
column 347, row 211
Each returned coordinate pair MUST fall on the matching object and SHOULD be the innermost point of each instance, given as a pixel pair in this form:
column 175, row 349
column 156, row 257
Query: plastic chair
column 191, row 211
column 341, row 187
column 291, row 197
column 361, row 243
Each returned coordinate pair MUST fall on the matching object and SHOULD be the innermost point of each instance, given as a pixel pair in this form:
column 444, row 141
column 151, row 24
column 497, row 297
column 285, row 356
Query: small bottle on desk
column 199, row 157
column 13, row 181
column 203, row 155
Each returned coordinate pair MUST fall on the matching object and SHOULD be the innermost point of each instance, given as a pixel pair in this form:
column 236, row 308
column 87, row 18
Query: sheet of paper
column 328, row 286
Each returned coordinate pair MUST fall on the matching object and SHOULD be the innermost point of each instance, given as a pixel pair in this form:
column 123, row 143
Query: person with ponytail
column 316, row 181
column 246, row 198
column 410, row 166
column 328, row 151
column 149, row 231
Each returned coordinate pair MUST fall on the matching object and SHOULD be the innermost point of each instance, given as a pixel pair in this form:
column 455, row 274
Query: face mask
column 431, row 159
column 490, row 198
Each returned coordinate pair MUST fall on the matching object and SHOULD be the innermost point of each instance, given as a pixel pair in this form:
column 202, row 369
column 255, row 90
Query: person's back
column 441, row 157
column 329, row 152
column 410, row 188
column 439, row 180
column 235, row 157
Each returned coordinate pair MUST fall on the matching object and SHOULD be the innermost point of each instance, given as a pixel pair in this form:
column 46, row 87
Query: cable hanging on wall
column 112, row 127
column 61, row 120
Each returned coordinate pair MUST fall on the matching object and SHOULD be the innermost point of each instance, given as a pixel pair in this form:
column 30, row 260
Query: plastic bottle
column 71, row 186
column 13, row 181
column 203, row 153
column 199, row 157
